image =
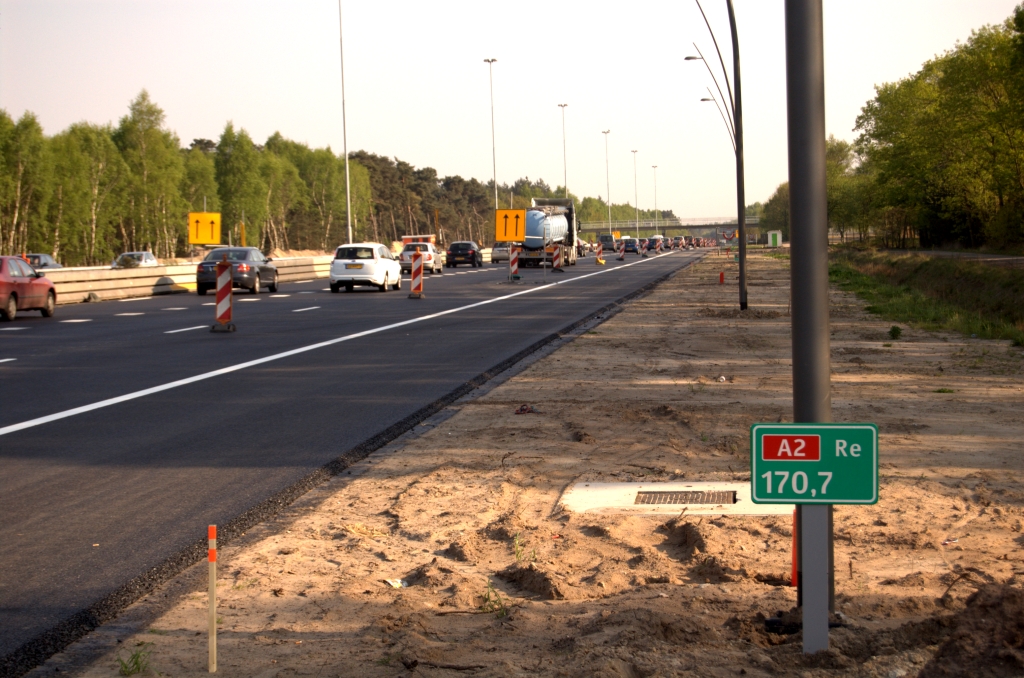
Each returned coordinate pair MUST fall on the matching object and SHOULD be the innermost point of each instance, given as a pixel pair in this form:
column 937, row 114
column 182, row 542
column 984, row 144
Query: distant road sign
column 510, row 225
column 616, row 234
column 204, row 228
column 814, row 463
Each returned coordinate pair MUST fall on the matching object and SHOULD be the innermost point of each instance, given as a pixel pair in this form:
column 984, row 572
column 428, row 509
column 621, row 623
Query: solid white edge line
column 300, row 310
column 13, row 428
column 7, row 360
column 186, row 329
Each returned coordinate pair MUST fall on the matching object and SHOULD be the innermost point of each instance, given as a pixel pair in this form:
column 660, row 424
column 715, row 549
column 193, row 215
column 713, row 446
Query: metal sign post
column 812, row 400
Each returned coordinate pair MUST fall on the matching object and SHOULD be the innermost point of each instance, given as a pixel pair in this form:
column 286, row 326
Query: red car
column 23, row 289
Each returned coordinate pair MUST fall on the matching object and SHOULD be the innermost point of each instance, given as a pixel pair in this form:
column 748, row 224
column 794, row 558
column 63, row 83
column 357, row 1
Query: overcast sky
column 417, row 86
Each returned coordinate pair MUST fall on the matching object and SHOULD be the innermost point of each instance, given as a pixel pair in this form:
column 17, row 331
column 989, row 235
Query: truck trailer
column 550, row 222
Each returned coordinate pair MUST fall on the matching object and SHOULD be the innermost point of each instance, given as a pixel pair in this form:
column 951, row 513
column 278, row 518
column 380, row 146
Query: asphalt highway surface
column 127, row 427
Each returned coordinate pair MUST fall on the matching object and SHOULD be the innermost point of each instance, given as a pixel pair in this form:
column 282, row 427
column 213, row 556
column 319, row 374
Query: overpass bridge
column 703, row 227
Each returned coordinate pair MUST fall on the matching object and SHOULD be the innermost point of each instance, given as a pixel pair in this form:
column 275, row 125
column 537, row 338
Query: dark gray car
column 250, row 270
column 42, row 261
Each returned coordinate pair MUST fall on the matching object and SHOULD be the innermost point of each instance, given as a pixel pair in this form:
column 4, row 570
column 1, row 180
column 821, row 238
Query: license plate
column 353, row 265
column 460, row 258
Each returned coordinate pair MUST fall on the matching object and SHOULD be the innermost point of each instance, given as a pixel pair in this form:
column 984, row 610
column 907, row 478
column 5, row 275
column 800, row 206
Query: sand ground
column 497, row 578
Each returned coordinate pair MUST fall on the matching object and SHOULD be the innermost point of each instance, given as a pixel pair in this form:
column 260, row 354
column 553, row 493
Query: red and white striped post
column 513, row 263
column 223, row 307
column 600, row 250
column 212, row 557
column 417, row 275
column 659, row 246
column 622, row 251
column 556, row 258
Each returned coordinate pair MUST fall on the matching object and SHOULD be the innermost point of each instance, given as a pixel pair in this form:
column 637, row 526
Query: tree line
column 93, row 191
column 939, row 160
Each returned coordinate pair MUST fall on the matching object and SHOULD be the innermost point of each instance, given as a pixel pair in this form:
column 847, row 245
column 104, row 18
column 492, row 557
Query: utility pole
column 494, row 156
column 812, row 400
column 344, row 129
column 565, row 161
column 608, row 181
column 657, row 215
column 636, row 199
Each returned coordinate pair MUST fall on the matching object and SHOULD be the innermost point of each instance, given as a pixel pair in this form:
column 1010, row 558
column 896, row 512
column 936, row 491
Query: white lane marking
column 325, row 289
column 136, row 299
column 300, row 310
column 127, row 314
column 279, row 296
column 210, row 303
column 7, row 360
column 187, row 329
column 12, row 329
column 300, row 282
column 78, row 320
column 309, row 292
column 174, row 308
column 249, row 300
column 38, row 421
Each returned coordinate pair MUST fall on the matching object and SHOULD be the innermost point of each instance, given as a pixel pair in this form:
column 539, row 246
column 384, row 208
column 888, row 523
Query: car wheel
column 201, row 290
column 349, row 287
column 255, row 289
column 50, row 306
column 334, row 288
column 273, row 285
column 384, row 286
column 10, row 309
column 398, row 285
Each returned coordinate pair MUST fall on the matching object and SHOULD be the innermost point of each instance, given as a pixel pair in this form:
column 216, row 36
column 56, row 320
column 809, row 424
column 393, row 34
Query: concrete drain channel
column 670, row 498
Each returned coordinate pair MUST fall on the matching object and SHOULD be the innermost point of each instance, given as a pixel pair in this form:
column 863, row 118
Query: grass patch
column 934, row 293
column 137, row 662
column 493, row 602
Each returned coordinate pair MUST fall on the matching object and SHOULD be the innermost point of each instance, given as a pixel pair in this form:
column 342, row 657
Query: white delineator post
column 417, row 275
column 223, row 307
column 212, row 557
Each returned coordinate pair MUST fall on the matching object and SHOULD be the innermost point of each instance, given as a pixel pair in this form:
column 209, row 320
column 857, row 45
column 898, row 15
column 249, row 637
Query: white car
column 500, row 251
column 431, row 257
column 365, row 263
column 135, row 260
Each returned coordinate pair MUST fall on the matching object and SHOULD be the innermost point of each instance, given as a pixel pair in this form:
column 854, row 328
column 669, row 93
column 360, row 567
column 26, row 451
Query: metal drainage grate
column 662, row 498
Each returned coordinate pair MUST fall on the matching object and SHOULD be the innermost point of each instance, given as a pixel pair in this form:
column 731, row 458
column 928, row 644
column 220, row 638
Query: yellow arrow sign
column 204, row 228
column 510, row 225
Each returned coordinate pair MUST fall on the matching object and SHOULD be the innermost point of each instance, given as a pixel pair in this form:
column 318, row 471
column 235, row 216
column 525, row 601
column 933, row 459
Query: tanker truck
column 550, row 222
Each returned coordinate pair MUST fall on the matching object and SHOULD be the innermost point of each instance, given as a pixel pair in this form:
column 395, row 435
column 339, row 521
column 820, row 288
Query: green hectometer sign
column 814, row 463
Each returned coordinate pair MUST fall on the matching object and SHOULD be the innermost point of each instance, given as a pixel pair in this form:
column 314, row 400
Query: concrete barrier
column 75, row 285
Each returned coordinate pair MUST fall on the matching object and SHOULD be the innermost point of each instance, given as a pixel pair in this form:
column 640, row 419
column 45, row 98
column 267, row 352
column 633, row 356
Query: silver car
column 500, row 252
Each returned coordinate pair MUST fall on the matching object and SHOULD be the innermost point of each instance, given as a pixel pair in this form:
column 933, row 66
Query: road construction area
column 453, row 551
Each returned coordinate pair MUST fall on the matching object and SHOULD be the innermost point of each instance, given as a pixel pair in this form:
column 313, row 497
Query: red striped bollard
column 622, row 251
column 600, row 250
column 556, row 259
column 225, row 275
column 513, row 264
column 658, row 250
column 212, row 557
column 417, row 275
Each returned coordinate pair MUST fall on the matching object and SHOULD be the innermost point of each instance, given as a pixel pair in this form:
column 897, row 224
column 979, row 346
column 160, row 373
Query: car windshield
column 354, row 253
column 461, row 246
column 413, row 247
column 35, row 259
column 500, row 244
column 233, row 255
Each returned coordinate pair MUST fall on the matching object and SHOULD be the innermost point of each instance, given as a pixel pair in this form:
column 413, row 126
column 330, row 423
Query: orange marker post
column 212, row 557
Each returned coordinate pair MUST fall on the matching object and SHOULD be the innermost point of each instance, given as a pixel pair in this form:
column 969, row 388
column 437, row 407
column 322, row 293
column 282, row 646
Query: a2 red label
column 790, row 447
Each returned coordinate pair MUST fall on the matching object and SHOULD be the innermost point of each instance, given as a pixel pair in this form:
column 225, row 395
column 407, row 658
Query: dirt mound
column 691, row 540
column 462, row 551
column 505, row 527
column 988, row 639
column 430, row 575
column 541, row 582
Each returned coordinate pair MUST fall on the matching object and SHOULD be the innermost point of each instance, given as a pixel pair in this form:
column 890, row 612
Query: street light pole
column 344, row 130
column 636, row 199
column 608, row 182
column 494, row 155
column 565, row 161
column 735, row 115
column 657, row 215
